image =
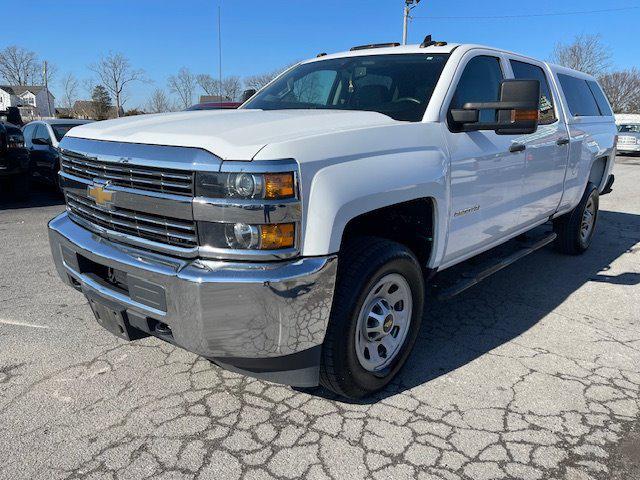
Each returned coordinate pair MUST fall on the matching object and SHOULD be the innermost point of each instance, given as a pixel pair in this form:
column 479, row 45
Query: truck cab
column 292, row 239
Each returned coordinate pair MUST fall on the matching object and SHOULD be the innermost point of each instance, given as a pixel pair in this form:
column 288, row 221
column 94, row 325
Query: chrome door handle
column 517, row 147
column 562, row 141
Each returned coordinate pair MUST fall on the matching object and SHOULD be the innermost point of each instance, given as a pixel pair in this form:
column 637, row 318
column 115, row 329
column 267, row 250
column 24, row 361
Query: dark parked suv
column 41, row 139
column 14, row 158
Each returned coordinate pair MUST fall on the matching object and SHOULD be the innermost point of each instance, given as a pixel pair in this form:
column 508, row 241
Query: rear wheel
column 375, row 318
column 575, row 229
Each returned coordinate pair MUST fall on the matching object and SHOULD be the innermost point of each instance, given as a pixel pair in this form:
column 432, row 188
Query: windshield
column 61, row 129
column 629, row 128
column 399, row 86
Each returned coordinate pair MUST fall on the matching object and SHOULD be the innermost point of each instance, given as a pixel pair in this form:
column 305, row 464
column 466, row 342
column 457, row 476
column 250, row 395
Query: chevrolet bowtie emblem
column 100, row 195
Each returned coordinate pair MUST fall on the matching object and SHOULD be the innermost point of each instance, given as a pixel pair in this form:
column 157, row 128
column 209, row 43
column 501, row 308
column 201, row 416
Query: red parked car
column 215, row 106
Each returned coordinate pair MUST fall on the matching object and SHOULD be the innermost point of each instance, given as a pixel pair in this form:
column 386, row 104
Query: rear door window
column 527, row 71
column 601, row 99
column 579, row 97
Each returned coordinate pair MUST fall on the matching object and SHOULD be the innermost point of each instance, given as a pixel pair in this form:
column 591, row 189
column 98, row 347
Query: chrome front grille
column 177, row 182
column 157, row 228
column 627, row 140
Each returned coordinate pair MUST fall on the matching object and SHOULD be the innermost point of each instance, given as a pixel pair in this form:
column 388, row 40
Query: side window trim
column 597, row 94
column 571, row 116
column 504, row 67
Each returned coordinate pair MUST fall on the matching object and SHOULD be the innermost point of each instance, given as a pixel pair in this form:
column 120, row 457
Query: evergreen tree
column 101, row 102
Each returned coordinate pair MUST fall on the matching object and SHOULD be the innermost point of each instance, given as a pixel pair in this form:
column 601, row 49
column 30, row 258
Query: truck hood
column 230, row 134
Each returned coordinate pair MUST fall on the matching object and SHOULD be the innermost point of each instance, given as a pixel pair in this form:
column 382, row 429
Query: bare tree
column 260, row 80
column 184, row 85
column 587, row 54
column 70, row 87
column 158, row 102
column 210, row 85
column 116, row 74
column 231, row 88
column 19, row 66
column 623, row 90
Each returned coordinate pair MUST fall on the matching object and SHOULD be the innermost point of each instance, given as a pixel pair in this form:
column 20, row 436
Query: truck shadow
column 458, row 331
column 40, row 195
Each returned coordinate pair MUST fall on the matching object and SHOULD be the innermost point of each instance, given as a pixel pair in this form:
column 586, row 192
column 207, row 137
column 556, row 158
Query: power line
column 556, row 14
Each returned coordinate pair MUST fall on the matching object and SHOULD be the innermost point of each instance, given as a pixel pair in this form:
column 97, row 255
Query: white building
column 33, row 101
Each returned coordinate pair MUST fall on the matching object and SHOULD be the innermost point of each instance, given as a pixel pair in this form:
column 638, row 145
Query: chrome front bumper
column 264, row 319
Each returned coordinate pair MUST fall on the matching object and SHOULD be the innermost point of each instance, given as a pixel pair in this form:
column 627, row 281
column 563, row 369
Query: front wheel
column 575, row 229
column 375, row 318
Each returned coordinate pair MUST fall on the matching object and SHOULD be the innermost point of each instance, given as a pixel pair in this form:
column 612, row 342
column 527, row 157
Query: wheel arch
column 410, row 223
column 598, row 172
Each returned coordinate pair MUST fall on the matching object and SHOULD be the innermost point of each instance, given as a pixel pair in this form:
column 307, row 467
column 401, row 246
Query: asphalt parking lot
column 533, row 374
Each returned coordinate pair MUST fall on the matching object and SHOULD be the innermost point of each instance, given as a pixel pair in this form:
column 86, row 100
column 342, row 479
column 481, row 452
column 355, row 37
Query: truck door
column 547, row 150
column 486, row 168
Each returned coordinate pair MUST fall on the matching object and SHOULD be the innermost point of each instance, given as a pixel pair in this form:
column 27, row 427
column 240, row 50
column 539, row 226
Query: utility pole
column 219, row 57
column 46, row 86
column 408, row 6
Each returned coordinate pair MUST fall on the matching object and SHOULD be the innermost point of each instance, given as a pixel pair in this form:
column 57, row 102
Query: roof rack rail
column 375, row 45
column 428, row 42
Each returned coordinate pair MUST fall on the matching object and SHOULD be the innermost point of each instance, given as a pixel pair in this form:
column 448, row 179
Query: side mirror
column 41, row 141
column 247, row 94
column 517, row 110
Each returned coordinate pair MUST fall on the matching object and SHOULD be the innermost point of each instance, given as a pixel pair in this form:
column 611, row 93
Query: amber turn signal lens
column 278, row 185
column 525, row 115
column 277, row 236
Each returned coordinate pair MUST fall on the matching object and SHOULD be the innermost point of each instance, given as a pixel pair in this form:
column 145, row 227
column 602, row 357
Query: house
column 62, row 112
column 88, row 110
column 33, row 101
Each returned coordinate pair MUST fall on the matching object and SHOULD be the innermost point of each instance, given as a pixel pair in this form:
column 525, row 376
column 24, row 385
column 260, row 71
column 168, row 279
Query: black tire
column 362, row 263
column 569, row 226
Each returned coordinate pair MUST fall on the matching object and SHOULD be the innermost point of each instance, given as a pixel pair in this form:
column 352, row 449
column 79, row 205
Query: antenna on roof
column 427, row 42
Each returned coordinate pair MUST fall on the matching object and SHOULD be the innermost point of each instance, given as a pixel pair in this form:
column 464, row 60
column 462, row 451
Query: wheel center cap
column 388, row 323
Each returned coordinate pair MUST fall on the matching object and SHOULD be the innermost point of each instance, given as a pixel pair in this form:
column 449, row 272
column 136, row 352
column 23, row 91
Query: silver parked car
column 628, row 138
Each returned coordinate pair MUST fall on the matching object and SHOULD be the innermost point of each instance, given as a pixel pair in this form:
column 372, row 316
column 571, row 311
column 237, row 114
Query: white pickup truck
column 293, row 239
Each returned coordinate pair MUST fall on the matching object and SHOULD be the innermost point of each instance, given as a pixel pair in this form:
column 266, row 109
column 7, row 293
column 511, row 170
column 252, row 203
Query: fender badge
column 467, row 211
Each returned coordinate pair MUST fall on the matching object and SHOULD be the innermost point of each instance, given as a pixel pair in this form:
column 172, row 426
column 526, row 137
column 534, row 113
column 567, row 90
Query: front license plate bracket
column 114, row 320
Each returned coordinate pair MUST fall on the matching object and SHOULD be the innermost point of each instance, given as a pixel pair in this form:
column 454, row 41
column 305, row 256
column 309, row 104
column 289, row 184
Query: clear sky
column 161, row 36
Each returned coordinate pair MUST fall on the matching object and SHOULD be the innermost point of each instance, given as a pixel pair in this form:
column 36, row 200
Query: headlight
column 242, row 236
column 269, row 186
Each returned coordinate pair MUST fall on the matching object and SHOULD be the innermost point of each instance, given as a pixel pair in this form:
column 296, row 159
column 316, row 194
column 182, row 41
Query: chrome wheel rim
column 588, row 220
column 383, row 322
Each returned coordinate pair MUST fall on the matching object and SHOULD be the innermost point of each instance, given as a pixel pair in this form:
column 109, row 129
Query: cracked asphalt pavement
column 533, row 374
